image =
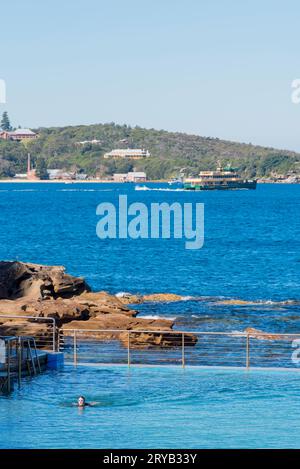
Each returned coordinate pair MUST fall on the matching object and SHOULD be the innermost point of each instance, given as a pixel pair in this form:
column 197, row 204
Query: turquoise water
column 154, row 407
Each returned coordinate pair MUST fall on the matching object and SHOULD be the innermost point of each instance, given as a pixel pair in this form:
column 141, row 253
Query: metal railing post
column 183, row 352
column 75, row 348
column 247, row 352
column 128, row 349
column 19, row 361
column 53, row 335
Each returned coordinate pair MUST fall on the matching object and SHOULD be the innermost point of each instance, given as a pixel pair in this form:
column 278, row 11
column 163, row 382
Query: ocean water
column 251, row 250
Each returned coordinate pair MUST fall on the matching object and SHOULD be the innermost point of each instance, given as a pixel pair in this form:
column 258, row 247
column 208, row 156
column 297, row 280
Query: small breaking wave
column 156, row 316
column 212, row 300
column 240, row 302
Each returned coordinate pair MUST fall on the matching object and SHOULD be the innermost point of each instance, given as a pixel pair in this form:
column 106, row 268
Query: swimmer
column 81, row 402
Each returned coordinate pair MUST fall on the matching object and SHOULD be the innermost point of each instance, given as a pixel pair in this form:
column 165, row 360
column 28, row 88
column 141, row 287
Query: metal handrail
column 270, row 337
column 178, row 331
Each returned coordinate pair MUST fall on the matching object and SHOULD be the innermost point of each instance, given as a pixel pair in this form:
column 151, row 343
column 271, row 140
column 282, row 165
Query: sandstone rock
column 48, row 292
column 146, row 340
column 127, row 298
column 258, row 334
column 162, row 297
column 144, row 333
column 102, row 302
column 63, row 310
column 115, row 322
column 42, row 332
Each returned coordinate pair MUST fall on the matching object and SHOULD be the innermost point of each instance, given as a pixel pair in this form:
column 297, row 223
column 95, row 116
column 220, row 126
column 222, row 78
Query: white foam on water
column 156, row 316
column 163, row 189
column 121, row 294
column 84, row 190
column 25, row 190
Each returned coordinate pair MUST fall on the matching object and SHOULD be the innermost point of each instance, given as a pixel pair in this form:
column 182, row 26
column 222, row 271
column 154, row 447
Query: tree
column 5, row 122
column 41, row 169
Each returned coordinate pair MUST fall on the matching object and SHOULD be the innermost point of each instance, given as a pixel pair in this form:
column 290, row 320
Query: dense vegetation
column 170, row 151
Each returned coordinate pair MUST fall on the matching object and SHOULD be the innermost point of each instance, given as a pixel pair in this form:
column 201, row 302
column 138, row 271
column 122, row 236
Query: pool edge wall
column 55, row 360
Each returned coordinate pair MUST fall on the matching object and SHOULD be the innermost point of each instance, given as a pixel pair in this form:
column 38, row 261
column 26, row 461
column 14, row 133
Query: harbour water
column 251, row 250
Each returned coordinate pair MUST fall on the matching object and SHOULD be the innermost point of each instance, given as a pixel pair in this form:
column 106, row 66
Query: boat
column 142, row 188
column 176, row 183
column 226, row 178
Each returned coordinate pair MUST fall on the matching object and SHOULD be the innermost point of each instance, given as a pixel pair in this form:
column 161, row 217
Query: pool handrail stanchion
column 19, row 348
column 8, row 367
column 75, row 347
column 54, row 335
column 247, row 351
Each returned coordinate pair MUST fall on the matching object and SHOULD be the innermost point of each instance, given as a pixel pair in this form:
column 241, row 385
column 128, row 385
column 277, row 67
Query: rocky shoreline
column 49, row 292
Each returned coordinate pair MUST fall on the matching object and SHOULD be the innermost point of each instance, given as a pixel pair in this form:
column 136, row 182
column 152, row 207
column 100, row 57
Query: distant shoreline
column 103, row 181
column 68, row 181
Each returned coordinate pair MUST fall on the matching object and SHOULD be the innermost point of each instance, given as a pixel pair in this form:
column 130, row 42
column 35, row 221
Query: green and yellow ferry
column 222, row 179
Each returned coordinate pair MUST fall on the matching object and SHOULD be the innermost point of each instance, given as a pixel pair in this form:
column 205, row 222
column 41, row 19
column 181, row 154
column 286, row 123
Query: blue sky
column 220, row 68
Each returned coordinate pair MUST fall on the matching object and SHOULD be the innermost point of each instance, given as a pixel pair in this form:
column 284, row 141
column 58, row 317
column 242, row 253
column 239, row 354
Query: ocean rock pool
column 154, row 407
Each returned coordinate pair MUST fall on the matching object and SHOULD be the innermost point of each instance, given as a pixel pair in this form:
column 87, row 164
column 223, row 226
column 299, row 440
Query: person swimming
column 81, row 402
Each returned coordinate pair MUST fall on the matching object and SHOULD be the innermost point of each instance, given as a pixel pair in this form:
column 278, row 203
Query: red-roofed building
column 19, row 135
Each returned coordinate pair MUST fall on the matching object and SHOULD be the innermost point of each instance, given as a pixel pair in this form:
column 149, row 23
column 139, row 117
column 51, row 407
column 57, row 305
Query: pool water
column 154, row 407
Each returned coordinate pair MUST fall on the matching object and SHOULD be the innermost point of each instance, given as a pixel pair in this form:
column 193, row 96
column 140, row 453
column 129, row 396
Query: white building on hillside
column 134, row 176
column 133, row 153
column 120, row 177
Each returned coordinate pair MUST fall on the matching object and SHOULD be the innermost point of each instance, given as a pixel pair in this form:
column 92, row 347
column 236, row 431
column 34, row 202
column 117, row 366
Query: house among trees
column 18, row 135
column 134, row 176
column 88, row 142
column 23, row 134
column 7, row 132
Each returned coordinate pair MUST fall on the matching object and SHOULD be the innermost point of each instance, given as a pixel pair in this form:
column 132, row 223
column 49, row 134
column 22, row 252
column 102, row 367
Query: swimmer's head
column 81, row 401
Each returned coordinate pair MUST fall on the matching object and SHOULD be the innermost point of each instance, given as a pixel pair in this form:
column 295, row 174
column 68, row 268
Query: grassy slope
column 170, row 151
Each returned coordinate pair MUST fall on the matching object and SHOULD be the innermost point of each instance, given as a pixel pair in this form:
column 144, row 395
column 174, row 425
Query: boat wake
column 160, row 189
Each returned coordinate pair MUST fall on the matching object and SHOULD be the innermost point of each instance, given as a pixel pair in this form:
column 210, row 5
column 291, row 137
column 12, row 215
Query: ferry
column 222, row 179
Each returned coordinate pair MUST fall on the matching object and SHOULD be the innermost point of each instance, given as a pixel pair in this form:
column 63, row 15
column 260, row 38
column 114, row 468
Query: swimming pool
column 155, row 407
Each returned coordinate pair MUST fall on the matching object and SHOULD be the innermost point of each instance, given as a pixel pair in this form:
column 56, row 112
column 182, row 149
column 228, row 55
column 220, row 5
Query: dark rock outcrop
column 48, row 292
column 18, row 280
